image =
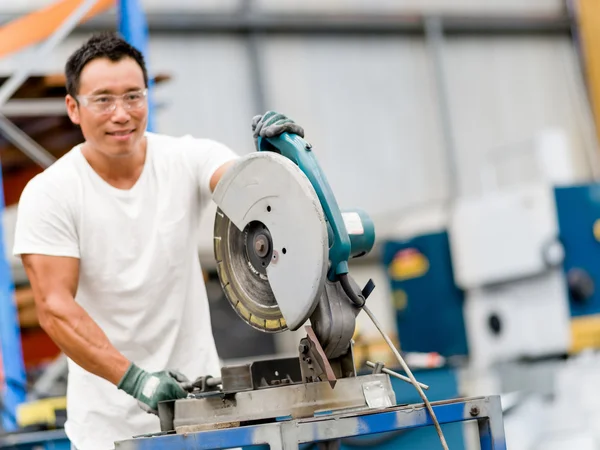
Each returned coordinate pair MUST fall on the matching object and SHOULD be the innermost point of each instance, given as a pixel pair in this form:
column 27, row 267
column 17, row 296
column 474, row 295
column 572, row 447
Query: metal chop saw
column 282, row 247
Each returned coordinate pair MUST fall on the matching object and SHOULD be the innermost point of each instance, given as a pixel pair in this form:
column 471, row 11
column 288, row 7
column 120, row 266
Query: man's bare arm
column 216, row 177
column 54, row 283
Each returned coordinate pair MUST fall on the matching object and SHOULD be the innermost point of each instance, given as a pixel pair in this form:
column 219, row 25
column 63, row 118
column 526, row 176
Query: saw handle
column 299, row 151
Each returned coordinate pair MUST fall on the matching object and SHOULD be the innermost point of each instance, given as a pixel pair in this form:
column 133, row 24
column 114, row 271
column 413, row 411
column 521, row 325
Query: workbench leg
column 289, row 436
column 276, row 445
column 491, row 429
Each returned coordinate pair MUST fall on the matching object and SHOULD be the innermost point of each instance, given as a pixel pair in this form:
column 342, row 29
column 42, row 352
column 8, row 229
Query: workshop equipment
column 422, row 285
column 506, row 259
column 578, row 214
column 498, row 269
column 282, row 247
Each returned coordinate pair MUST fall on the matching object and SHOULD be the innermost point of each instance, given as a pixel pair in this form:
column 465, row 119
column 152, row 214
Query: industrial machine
column 282, row 247
column 506, row 259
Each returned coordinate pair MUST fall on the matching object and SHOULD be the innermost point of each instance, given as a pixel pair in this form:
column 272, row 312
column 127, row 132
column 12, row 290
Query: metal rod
column 405, row 367
column 25, row 143
column 395, row 374
column 253, row 49
column 34, row 107
column 15, row 81
column 434, row 34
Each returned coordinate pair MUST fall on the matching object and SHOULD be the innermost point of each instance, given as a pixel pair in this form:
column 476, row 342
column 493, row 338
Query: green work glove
column 273, row 124
column 151, row 388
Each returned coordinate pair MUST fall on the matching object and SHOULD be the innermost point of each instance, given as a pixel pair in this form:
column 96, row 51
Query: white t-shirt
column 140, row 277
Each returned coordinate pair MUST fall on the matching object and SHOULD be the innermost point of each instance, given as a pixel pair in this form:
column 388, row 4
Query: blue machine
column 422, row 284
column 578, row 210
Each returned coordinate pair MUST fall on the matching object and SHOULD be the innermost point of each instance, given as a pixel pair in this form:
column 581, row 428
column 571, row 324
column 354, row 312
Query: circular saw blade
column 271, row 243
column 246, row 287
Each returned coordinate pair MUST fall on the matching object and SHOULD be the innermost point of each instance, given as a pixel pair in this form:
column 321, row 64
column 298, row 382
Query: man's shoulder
column 60, row 176
column 170, row 144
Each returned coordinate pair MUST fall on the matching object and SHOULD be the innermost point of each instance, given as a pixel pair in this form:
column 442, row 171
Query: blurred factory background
column 468, row 131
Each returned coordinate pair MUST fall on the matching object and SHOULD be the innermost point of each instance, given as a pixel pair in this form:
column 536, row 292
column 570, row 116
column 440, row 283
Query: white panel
column 518, row 307
column 368, row 108
column 502, row 236
column 504, row 92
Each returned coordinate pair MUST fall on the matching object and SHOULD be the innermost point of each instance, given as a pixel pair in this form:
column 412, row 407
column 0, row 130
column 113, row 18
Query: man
column 107, row 237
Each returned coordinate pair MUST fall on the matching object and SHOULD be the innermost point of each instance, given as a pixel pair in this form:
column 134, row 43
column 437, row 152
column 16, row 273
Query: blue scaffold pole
column 134, row 29
column 13, row 388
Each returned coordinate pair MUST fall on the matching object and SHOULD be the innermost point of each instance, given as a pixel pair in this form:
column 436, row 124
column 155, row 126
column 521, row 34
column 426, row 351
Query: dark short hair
column 103, row 45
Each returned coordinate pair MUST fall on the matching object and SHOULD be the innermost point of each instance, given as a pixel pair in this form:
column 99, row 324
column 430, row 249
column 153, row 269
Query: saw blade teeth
column 273, row 325
column 257, row 321
column 247, row 290
column 243, row 311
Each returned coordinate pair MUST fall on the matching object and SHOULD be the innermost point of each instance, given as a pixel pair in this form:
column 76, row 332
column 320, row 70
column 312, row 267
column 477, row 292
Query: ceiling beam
column 326, row 23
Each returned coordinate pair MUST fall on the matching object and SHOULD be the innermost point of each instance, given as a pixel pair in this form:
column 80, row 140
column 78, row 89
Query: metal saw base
column 294, row 434
column 302, row 400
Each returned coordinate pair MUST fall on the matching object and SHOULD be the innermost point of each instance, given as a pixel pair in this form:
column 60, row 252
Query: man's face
column 110, row 111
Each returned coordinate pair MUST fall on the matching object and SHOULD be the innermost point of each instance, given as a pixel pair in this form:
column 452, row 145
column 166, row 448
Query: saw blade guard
column 299, row 151
column 270, row 213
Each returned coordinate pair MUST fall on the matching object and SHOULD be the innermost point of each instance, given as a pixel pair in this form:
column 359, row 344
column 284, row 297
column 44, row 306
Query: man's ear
column 72, row 109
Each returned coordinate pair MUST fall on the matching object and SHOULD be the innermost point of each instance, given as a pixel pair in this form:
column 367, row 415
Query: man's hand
column 273, row 124
column 151, row 388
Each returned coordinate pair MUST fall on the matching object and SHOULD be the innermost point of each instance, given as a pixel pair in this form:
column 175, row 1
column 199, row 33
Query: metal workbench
column 289, row 434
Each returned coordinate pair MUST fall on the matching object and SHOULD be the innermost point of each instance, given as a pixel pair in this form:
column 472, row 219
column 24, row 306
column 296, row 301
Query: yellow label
column 408, row 264
column 585, row 333
column 373, row 349
column 40, row 411
column 597, row 229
